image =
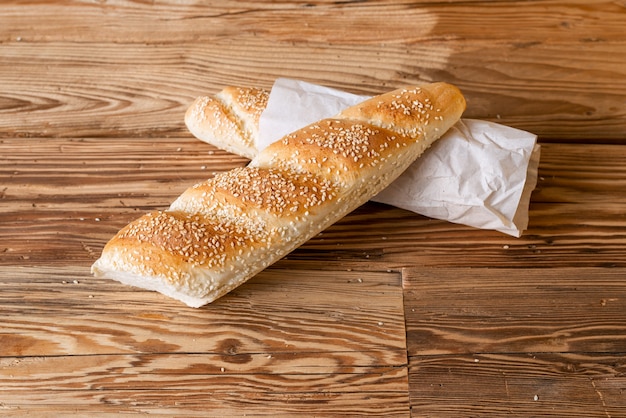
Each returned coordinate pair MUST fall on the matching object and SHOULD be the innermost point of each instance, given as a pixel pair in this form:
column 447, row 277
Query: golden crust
column 191, row 238
column 413, row 111
column 337, row 150
column 264, row 190
column 246, row 103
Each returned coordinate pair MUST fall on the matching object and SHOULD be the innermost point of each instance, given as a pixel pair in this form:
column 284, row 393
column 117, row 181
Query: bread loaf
column 221, row 232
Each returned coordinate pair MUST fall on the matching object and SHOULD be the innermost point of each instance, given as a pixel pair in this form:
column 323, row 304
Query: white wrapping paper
column 479, row 174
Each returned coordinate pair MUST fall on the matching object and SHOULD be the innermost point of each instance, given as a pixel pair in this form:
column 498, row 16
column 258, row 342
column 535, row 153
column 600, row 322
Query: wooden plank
column 278, row 344
column 370, row 235
column 461, row 311
column 64, row 198
column 52, row 169
column 91, row 90
column 63, row 311
column 518, row 384
column 84, row 73
column 521, row 342
column 198, row 383
column 178, row 387
column 310, row 21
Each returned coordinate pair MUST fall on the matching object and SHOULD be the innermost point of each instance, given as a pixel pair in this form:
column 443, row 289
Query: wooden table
column 387, row 313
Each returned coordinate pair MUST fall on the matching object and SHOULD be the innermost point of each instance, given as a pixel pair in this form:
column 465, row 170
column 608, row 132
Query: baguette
column 221, row 232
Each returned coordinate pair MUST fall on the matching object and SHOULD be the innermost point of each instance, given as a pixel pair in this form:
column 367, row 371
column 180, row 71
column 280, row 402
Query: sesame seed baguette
column 223, row 231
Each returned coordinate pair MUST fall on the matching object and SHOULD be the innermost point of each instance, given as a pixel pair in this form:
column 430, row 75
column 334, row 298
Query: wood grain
column 518, row 384
column 313, row 21
column 151, row 384
column 94, row 70
column 73, row 340
column 515, row 311
column 526, row 342
column 272, row 313
column 386, row 313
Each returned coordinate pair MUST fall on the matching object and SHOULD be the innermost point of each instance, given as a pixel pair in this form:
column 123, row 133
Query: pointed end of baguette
column 416, row 111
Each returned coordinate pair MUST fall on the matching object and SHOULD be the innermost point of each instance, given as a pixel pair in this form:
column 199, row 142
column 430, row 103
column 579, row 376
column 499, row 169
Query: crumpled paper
column 479, row 174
